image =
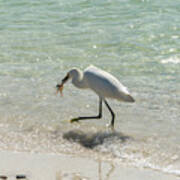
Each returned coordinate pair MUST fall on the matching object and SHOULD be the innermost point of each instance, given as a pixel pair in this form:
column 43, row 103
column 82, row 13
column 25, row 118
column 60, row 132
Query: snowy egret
column 102, row 83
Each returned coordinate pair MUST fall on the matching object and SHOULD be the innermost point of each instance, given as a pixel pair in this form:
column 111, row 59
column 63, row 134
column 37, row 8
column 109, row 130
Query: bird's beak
column 65, row 78
column 60, row 86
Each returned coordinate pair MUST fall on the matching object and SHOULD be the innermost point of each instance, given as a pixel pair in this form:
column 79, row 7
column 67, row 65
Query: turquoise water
column 137, row 41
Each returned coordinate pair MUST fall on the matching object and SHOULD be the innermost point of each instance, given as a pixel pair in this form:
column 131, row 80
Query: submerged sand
column 67, row 167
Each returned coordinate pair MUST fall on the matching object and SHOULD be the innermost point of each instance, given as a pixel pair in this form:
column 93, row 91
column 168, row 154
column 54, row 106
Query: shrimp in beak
column 60, row 86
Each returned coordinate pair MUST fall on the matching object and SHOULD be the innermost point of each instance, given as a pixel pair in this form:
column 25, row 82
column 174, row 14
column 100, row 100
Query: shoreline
column 66, row 166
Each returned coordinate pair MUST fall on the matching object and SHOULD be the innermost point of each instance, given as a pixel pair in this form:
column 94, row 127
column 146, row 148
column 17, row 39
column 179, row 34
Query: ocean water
column 138, row 41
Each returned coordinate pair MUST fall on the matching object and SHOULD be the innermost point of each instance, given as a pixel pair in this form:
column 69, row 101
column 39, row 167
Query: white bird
column 102, row 83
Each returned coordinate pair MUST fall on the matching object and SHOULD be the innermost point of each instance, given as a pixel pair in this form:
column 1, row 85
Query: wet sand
column 66, row 167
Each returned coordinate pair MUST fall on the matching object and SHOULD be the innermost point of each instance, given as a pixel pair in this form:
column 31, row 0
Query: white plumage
column 106, row 85
column 102, row 83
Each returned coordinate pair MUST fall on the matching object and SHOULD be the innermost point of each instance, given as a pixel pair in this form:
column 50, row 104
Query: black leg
column 112, row 113
column 90, row 117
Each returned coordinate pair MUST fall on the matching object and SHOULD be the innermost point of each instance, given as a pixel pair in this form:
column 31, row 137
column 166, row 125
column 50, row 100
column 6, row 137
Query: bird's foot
column 109, row 126
column 74, row 120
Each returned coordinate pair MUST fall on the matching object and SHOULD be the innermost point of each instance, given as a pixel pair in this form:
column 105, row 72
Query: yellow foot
column 74, row 120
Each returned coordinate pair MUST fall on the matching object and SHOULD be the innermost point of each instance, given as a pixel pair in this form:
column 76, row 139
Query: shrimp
column 59, row 89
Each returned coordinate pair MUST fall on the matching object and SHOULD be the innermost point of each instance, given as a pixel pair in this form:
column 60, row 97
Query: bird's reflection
column 107, row 175
column 91, row 140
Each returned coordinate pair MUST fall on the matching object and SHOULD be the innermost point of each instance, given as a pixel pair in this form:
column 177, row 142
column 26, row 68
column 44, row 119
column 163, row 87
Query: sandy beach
column 67, row 167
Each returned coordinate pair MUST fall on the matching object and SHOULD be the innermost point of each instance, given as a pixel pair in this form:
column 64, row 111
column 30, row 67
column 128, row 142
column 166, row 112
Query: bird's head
column 74, row 73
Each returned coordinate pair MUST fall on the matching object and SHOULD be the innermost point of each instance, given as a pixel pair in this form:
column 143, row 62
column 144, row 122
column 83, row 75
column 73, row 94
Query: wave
column 173, row 60
column 127, row 149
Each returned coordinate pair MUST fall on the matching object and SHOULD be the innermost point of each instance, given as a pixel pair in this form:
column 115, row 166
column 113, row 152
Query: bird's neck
column 79, row 81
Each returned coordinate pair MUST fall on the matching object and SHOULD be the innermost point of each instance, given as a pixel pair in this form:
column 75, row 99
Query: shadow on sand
column 91, row 140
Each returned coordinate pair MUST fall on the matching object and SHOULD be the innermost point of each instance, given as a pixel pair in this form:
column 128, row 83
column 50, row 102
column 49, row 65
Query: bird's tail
column 128, row 98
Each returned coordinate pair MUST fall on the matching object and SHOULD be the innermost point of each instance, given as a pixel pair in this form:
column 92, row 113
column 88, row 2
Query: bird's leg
column 90, row 117
column 112, row 113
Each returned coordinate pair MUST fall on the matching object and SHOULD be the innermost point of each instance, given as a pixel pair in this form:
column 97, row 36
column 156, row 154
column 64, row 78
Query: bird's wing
column 103, row 83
